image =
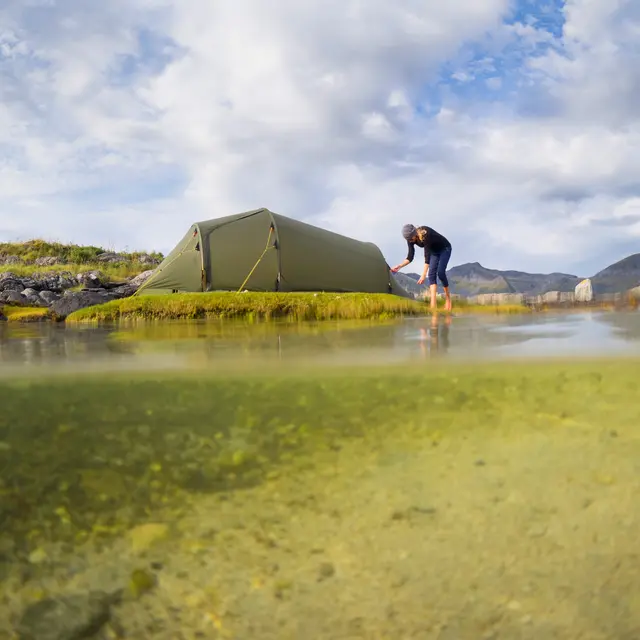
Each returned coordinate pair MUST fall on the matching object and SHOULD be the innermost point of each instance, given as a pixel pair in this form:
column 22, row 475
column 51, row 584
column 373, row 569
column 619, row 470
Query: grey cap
column 408, row 231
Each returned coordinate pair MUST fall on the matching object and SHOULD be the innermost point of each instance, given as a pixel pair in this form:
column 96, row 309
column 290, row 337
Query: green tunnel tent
column 221, row 255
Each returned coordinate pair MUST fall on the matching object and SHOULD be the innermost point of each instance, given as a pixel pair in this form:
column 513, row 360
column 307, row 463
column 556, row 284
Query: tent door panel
column 233, row 251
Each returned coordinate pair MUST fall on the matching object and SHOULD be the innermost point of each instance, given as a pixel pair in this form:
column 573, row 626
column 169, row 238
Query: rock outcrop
column 584, row 291
column 58, row 290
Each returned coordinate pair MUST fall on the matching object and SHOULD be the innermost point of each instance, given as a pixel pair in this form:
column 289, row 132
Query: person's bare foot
column 447, row 305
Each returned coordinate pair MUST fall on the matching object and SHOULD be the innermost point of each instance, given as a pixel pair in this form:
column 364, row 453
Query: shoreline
column 267, row 307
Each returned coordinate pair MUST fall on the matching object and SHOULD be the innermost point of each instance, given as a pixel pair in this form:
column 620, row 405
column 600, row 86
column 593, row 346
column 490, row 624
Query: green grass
column 297, row 306
column 25, row 314
column 266, row 306
column 71, row 253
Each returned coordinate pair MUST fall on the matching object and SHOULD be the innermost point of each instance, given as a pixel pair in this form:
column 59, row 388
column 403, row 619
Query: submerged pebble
column 72, row 617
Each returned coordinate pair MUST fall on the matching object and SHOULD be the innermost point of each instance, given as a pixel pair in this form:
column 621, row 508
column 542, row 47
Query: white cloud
column 314, row 109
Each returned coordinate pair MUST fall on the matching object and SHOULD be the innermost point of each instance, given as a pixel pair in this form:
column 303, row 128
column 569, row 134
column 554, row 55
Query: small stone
column 38, row 556
column 480, row 463
column 140, row 582
column 613, row 433
column 144, row 536
column 326, row 570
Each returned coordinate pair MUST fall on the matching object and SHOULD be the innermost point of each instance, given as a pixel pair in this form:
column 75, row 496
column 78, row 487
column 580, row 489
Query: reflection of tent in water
column 263, row 251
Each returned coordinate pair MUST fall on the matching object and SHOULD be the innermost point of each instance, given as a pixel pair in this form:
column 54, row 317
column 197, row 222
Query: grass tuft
column 25, row 314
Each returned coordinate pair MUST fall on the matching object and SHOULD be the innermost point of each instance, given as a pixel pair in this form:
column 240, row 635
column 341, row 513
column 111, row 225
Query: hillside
column 620, row 276
column 36, row 256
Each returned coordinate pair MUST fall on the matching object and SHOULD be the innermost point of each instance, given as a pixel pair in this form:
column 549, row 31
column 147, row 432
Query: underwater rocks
column 72, row 617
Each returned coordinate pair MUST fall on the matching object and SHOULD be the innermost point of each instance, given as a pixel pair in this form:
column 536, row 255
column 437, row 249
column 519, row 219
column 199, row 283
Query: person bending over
column 437, row 251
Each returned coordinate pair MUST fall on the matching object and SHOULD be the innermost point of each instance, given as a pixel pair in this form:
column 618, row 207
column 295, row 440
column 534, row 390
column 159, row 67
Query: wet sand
column 408, row 532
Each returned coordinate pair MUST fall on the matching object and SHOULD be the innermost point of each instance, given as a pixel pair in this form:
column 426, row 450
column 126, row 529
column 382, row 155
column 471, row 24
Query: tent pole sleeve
column 271, row 229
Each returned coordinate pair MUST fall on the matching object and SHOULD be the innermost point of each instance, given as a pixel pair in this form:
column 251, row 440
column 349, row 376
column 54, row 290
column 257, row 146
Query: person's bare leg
column 434, row 300
column 447, row 304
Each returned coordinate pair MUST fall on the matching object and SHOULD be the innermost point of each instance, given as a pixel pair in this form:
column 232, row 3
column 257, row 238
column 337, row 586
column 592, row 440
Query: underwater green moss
column 98, row 454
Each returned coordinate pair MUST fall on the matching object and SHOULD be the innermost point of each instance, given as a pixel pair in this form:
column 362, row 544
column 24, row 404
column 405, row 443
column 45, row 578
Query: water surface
column 212, row 344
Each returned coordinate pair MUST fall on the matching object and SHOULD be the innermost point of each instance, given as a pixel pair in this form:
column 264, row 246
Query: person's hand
column 394, row 269
column 421, row 280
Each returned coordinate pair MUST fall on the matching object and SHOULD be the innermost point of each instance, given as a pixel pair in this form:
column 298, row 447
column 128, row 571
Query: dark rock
column 72, row 301
column 72, row 617
column 48, row 297
column 56, row 282
column 14, row 297
column 124, row 291
column 11, row 285
column 29, row 293
column 326, row 570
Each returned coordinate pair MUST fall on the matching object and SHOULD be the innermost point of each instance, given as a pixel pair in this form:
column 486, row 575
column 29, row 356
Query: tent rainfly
column 263, row 251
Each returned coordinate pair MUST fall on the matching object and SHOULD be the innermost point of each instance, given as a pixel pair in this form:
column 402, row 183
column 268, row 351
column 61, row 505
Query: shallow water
column 221, row 344
column 375, row 499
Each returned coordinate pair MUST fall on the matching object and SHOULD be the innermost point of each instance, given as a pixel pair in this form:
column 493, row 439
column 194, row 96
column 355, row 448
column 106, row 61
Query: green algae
column 84, row 459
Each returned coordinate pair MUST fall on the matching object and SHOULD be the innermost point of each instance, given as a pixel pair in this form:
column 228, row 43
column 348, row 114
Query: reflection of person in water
column 436, row 337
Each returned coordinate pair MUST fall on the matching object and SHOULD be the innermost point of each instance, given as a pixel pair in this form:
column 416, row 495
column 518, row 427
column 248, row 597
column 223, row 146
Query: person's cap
column 408, row 231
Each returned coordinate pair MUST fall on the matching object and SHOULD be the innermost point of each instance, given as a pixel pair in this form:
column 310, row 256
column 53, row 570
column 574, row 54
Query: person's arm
column 427, row 257
column 407, row 260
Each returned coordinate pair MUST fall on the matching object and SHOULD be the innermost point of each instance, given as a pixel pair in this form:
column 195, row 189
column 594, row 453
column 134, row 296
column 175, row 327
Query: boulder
column 47, row 261
column 141, row 278
column 584, row 291
column 147, row 259
column 11, row 285
column 29, row 293
column 48, row 297
column 92, row 279
column 56, row 282
column 10, row 260
column 109, row 256
column 12, row 297
column 124, row 291
column 72, row 301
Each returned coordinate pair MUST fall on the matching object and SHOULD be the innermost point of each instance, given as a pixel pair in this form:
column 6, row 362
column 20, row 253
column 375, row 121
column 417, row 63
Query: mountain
column 472, row 279
column 620, row 276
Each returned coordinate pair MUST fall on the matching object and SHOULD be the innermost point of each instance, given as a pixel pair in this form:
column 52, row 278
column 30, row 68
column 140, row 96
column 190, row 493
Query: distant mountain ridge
column 472, row 279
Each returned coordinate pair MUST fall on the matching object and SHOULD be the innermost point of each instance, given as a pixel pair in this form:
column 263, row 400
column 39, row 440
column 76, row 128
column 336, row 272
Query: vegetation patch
column 257, row 306
column 25, row 314
column 112, row 271
column 31, row 250
column 98, row 454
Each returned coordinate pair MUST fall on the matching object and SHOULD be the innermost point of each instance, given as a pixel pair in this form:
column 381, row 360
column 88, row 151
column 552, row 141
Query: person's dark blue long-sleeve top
column 434, row 242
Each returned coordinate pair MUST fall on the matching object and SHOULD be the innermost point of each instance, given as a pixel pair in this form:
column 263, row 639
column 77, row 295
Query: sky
column 511, row 127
